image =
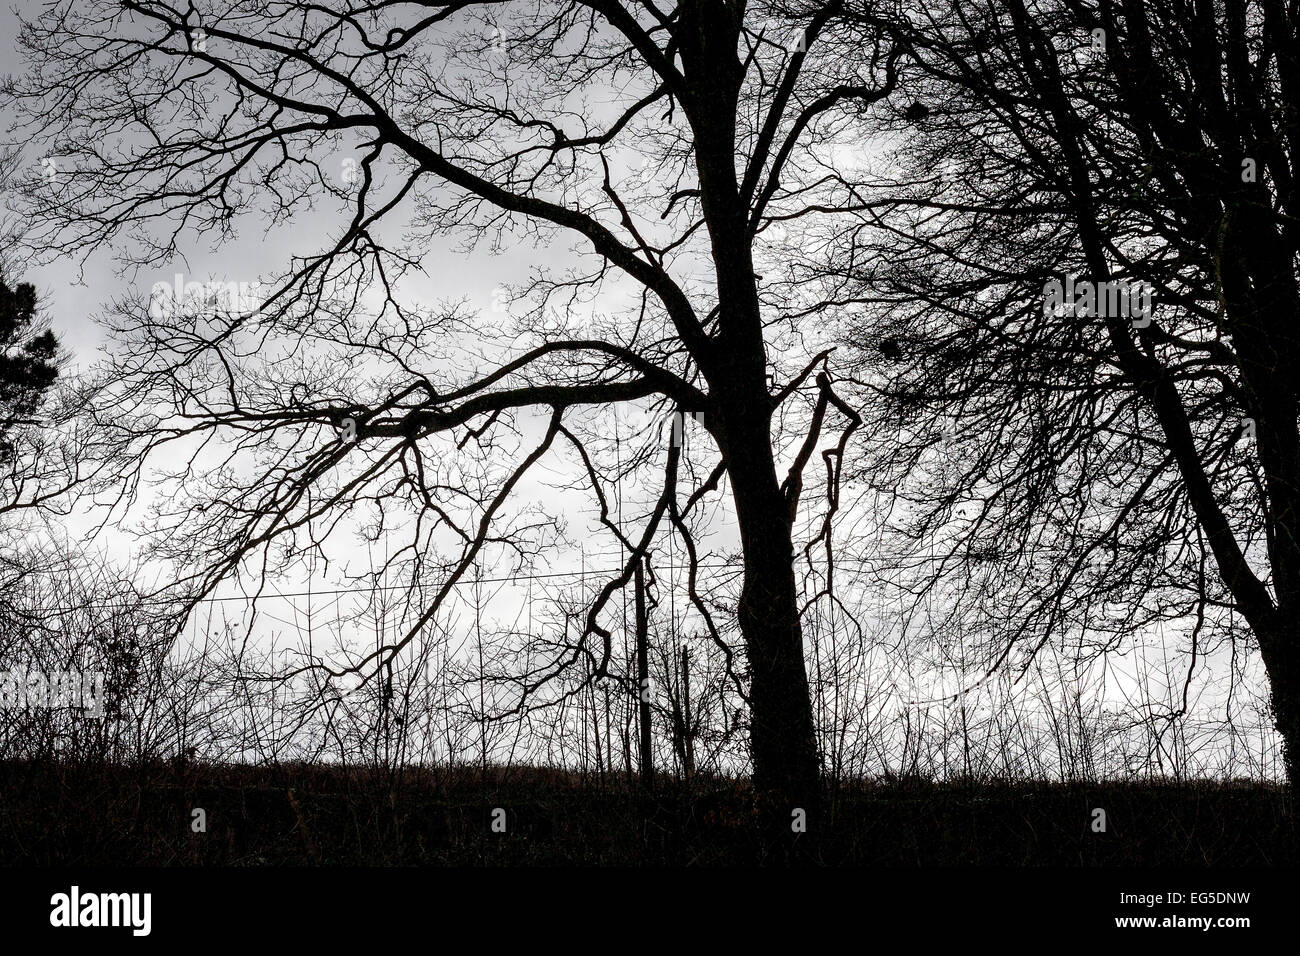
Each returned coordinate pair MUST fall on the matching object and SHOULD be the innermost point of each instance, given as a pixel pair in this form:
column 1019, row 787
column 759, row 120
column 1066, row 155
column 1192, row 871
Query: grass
column 60, row 815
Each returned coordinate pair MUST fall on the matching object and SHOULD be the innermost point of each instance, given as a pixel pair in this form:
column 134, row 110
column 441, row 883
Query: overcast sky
column 73, row 296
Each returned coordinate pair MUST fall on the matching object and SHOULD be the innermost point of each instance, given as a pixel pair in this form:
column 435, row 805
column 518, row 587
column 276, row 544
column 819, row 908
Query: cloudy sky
column 74, row 294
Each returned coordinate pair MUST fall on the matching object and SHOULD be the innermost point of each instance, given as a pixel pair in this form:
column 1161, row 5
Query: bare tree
column 1097, row 452
column 77, row 619
column 664, row 141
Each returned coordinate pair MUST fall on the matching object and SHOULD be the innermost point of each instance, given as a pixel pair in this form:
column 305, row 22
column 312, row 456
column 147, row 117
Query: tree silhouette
column 28, row 360
column 1098, row 456
column 664, row 142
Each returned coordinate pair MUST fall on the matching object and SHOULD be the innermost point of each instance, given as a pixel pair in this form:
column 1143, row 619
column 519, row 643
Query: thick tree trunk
column 1280, row 649
column 782, row 739
column 1259, row 286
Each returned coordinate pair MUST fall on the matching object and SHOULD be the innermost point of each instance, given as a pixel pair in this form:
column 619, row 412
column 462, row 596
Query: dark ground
column 58, row 815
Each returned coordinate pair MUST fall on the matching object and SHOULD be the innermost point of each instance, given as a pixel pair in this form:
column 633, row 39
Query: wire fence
column 311, row 675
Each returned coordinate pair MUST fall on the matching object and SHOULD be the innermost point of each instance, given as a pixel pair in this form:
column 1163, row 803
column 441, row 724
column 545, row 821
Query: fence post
column 643, row 678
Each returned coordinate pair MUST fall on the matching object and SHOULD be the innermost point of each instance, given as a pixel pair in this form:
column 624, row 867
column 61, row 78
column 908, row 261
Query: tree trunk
column 782, row 740
column 1281, row 654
